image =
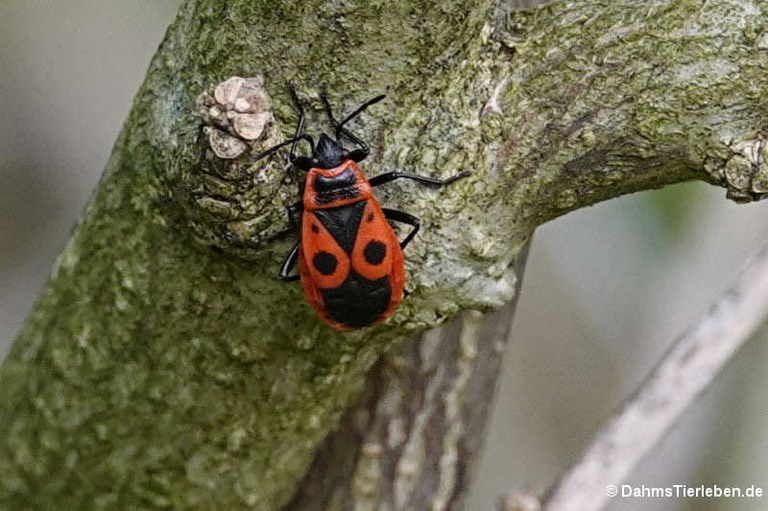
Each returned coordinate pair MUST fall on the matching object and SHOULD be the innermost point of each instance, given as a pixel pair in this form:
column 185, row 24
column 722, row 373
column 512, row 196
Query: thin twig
column 684, row 372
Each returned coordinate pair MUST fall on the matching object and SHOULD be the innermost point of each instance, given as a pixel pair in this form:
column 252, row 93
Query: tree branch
column 688, row 368
column 413, row 438
column 164, row 365
column 629, row 96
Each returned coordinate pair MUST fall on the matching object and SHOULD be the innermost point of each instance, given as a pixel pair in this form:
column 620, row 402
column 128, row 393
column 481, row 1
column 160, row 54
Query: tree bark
column 164, row 365
column 413, row 438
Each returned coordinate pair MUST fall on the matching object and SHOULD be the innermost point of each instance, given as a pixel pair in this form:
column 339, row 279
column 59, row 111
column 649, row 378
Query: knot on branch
column 227, row 196
column 235, row 114
column 745, row 172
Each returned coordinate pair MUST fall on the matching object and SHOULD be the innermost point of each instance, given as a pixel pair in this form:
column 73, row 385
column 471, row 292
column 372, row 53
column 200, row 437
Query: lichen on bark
column 160, row 372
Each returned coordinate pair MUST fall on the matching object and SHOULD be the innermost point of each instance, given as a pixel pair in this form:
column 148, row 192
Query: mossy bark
column 159, row 372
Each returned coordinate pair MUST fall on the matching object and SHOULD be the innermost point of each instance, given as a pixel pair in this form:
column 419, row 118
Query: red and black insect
column 350, row 260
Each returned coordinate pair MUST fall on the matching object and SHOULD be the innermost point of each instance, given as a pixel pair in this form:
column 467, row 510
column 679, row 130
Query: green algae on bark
column 156, row 371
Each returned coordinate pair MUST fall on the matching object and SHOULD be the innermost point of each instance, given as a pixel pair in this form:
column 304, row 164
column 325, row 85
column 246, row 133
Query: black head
column 329, row 153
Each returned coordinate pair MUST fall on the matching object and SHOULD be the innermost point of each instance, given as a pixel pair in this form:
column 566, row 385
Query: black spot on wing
column 374, row 252
column 325, row 262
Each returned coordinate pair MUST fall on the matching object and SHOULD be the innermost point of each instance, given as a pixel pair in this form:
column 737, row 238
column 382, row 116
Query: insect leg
column 299, row 127
column 406, row 218
column 391, row 176
column 299, row 135
column 288, row 263
column 293, row 210
column 358, row 154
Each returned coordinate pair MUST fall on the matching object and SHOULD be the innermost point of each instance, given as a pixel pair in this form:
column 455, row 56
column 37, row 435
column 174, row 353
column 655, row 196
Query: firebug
column 350, row 260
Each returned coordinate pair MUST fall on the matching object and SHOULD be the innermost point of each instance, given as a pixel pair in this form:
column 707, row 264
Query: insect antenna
column 360, row 109
column 290, row 141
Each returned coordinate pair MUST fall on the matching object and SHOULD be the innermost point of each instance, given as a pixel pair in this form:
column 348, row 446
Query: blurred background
column 606, row 290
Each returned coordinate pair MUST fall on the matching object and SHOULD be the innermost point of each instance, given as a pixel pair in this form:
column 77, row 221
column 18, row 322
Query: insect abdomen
column 358, row 302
